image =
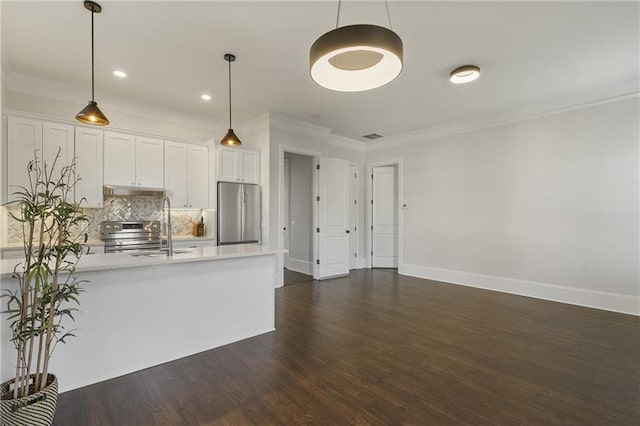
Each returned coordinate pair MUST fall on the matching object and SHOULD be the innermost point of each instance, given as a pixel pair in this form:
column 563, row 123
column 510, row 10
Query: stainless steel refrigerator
column 238, row 213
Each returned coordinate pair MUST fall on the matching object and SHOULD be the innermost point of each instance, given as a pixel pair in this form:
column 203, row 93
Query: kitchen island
column 141, row 311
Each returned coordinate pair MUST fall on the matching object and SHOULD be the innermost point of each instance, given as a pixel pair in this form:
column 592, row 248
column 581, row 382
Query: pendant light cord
column 229, row 60
column 386, row 5
column 92, row 61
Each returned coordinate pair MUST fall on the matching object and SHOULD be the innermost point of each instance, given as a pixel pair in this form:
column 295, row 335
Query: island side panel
column 135, row 318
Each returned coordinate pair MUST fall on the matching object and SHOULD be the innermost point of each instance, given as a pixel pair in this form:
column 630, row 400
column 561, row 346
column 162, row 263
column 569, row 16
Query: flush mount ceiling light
column 120, row 74
column 230, row 139
column 355, row 58
column 91, row 114
column 205, row 97
column 464, row 74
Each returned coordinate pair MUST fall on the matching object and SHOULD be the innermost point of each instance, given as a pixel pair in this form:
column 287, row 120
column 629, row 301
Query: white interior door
column 286, row 210
column 385, row 218
column 353, row 216
column 333, row 218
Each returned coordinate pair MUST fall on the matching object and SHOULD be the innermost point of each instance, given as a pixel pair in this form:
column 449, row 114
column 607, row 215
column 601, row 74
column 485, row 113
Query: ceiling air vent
column 372, row 136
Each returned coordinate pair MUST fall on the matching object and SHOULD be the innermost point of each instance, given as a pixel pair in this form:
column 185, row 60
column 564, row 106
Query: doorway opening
column 384, row 215
column 297, row 214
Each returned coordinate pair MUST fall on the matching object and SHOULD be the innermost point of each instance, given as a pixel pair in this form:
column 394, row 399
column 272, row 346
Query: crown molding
column 71, row 121
column 298, row 126
column 612, row 93
column 313, row 130
column 63, row 92
column 257, row 125
column 346, row 143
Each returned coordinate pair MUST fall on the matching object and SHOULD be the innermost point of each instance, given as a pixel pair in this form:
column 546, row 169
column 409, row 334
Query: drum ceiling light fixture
column 356, row 58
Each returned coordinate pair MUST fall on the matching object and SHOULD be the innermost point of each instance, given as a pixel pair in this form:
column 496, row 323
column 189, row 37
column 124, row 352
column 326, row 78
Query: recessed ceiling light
column 120, row 74
column 205, row 97
column 464, row 74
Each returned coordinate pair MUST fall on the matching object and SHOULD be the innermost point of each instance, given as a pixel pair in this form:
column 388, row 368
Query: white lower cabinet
column 186, row 175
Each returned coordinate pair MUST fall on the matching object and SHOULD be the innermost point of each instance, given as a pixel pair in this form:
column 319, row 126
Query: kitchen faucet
column 166, row 201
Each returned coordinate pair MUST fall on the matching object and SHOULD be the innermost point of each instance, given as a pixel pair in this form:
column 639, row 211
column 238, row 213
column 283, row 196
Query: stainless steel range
column 119, row 236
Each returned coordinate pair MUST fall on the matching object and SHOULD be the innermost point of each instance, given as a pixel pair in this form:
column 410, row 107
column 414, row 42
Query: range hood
column 131, row 191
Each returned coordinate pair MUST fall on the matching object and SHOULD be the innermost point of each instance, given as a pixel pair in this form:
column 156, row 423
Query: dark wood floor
column 293, row 277
column 378, row 348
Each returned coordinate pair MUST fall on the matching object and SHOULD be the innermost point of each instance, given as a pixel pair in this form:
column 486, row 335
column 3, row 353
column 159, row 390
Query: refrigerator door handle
column 243, row 202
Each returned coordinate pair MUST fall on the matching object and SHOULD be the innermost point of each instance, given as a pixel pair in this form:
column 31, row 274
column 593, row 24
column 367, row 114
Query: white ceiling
column 531, row 54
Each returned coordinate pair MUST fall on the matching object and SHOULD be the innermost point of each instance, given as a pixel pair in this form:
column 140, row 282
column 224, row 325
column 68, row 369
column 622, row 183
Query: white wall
column 546, row 207
column 300, row 212
column 283, row 137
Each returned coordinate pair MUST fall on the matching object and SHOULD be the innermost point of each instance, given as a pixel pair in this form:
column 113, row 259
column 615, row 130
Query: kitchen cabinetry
column 24, row 137
column 187, row 175
column 57, row 139
column 89, row 145
column 133, row 161
column 198, row 177
column 238, row 165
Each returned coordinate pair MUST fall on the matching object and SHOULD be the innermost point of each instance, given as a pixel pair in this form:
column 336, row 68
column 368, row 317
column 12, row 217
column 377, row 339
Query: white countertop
column 104, row 261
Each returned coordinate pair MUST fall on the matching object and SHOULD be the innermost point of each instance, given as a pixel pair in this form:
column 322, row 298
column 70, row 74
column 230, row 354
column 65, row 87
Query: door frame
column 286, row 209
column 315, row 155
column 369, row 210
column 356, row 225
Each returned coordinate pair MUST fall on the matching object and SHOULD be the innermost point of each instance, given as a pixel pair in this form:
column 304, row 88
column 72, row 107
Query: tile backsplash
column 120, row 208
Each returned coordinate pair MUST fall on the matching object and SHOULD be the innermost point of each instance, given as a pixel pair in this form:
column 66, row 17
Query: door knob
column 347, row 231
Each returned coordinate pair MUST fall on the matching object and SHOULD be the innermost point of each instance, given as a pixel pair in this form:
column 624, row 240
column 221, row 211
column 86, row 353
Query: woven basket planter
column 37, row 409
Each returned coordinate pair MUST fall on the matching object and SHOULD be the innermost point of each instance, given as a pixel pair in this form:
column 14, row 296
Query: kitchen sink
column 157, row 253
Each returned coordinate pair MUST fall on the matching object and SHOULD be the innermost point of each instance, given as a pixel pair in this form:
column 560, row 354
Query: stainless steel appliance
column 121, row 236
column 238, row 213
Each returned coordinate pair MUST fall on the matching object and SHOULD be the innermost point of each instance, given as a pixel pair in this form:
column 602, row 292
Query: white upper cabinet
column 198, row 188
column 133, row 161
column 89, row 167
column 228, row 164
column 187, row 175
column 119, row 159
column 175, row 173
column 238, row 165
column 149, row 162
column 24, row 138
column 249, row 166
column 57, row 140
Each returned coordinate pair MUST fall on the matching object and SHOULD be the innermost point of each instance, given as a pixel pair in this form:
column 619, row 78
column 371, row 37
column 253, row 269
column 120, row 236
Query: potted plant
column 44, row 290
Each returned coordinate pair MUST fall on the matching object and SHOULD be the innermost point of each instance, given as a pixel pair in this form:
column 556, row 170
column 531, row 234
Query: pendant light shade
column 230, row 139
column 355, row 58
column 91, row 114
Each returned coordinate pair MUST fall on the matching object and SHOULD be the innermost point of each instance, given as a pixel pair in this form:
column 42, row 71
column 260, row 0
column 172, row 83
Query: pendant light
column 91, row 114
column 355, row 58
column 230, row 139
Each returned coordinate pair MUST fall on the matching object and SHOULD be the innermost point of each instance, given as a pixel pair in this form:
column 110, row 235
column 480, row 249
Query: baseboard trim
column 301, row 266
column 607, row 301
